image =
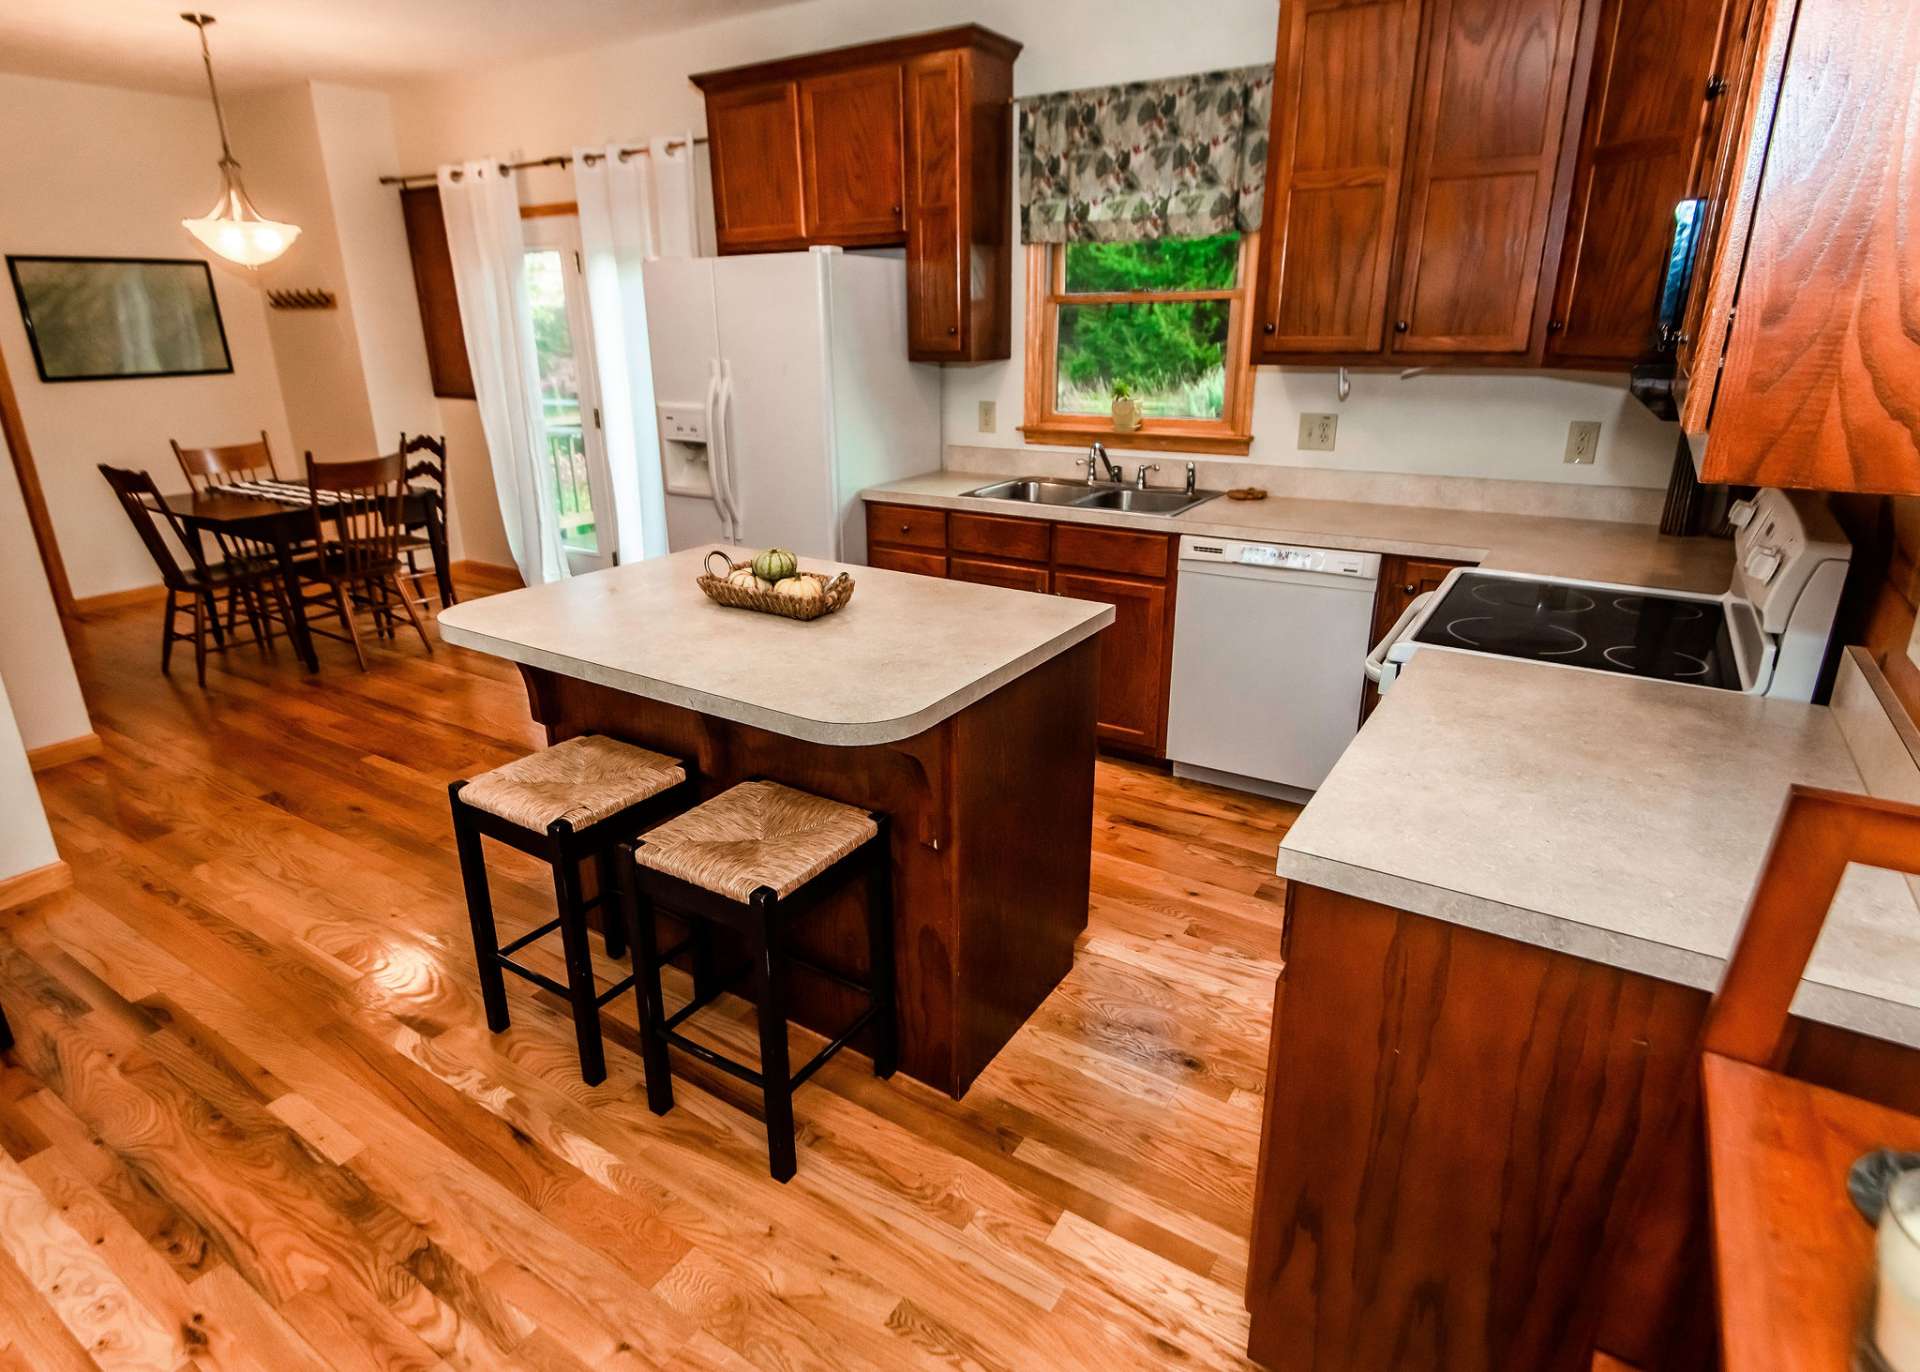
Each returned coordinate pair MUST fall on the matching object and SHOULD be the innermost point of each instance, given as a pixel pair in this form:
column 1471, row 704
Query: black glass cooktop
column 1607, row 629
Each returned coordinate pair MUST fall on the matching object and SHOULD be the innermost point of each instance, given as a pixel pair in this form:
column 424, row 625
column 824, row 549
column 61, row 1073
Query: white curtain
column 483, row 238
column 633, row 207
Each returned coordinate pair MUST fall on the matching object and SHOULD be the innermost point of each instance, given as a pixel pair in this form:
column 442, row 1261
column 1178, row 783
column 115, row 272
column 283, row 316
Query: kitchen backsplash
column 1620, row 504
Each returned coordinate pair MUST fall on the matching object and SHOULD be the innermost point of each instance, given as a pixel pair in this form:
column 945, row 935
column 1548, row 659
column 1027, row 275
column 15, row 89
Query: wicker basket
column 834, row 592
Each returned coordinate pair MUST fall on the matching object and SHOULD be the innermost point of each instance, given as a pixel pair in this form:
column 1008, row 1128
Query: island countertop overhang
column 906, row 653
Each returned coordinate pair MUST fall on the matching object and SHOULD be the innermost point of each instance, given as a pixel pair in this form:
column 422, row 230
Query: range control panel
column 1281, row 557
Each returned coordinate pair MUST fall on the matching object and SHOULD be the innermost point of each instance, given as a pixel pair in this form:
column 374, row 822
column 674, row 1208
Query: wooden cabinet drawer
column 1110, row 550
column 1013, row 575
column 1024, row 540
column 902, row 560
column 907, row 526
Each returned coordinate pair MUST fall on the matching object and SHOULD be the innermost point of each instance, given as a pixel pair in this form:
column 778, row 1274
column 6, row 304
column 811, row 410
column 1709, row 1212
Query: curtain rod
column 558, row 160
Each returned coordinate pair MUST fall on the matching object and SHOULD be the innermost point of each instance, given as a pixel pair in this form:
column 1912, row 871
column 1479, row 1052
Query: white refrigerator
column 783, row 389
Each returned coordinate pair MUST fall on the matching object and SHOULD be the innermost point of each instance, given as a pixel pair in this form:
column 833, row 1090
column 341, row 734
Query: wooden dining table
column 286, row 526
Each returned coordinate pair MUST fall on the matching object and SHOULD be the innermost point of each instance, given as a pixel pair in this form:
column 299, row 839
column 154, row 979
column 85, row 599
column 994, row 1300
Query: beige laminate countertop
column 905, row 653
column 1583, row 549
column 1615, row 819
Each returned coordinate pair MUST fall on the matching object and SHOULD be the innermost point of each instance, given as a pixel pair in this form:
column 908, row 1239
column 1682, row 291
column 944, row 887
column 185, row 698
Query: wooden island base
column 992, row 813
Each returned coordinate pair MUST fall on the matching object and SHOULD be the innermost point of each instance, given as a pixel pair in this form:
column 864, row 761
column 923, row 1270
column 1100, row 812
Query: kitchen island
column 1506, row 911
column 964, row 712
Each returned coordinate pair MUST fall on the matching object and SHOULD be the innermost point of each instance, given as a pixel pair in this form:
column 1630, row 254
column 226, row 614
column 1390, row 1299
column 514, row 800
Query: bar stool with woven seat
column 567, row 804
column 756, row 858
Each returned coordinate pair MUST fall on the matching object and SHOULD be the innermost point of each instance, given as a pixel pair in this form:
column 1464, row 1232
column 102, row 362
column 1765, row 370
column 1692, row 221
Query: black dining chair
column 357, row 527
column 243, row 583
column 426, row 476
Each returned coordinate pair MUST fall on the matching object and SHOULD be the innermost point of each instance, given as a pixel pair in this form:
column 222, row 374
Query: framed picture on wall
column 116, row 318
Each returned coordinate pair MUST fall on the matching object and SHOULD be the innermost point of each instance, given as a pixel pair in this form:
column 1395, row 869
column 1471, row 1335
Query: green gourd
column 775, row 564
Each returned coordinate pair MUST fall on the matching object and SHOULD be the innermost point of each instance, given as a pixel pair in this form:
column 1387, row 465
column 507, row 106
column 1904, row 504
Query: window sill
column 1158, row 440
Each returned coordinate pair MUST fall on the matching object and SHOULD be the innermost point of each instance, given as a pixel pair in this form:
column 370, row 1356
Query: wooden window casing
column 1231, row 433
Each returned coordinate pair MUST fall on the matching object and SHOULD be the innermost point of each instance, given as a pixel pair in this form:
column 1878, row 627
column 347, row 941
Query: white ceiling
column 144, row 43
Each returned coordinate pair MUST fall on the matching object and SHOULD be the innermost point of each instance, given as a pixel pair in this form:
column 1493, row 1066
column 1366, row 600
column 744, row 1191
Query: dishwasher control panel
column 1281, row 557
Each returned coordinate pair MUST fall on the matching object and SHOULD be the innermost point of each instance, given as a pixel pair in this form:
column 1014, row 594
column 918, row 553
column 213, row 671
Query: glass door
column 576, row 457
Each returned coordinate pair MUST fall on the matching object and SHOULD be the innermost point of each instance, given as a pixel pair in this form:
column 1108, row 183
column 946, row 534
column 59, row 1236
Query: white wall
column 25, row 840
column 35, row 666
column 1484, row 424
column 91, row 170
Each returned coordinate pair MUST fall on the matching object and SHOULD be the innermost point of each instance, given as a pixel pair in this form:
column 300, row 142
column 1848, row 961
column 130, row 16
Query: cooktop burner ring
column 1571, row 642
column 1679, row 611
column 1630, row 652
column 1539, row 597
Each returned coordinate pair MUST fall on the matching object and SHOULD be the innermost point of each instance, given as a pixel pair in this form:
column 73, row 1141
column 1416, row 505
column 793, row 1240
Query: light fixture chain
column 200, row 22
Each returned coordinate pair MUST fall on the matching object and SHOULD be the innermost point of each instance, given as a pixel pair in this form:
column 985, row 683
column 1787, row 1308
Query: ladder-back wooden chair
column 426, row 474
column 246, row 578
column 357, row 525
column 206, row 467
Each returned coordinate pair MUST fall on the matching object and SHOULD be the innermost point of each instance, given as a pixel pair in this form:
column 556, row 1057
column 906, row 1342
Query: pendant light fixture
column 233, row 227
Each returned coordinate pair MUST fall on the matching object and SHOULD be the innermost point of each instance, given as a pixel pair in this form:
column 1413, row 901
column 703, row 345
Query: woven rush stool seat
column 755, row 859
column 582, row 781
column 567, row 804
column 759, row 834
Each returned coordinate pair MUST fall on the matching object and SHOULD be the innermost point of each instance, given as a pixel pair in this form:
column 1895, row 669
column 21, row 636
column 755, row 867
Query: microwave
column 1652, row 382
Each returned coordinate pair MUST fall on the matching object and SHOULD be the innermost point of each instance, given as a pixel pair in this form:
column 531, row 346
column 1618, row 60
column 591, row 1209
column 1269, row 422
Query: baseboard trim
column 66, row 750
column 488, row 574
column 33, row 884
column 118, row 600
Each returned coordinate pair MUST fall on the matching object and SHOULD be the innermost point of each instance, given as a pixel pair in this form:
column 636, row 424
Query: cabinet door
column 986, row 571
column 1341, row 101
column 936, row 226
column 904, row 560
column 1133, row 656
column 1488, row 136
column 754, row 145
column 851, row 155
column 1647, row 112
column 1822, row 362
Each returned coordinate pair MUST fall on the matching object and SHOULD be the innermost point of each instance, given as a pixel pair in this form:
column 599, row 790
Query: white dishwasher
column 1268, row 645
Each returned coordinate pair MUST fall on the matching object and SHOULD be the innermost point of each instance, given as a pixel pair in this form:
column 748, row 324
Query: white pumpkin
column 747, row 581
column 799, row 588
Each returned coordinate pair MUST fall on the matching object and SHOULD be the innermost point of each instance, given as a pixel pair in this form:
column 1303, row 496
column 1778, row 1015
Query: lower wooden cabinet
column 1401, row 580
column 1133, row 572
column 1015, row 576
column 1133, row 656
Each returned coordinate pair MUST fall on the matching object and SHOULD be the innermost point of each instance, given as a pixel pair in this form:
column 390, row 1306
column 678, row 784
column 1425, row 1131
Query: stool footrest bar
column 860, row 1021
column 720, row 1060
column 538, row 979
column 794, row 960
column 525, row 939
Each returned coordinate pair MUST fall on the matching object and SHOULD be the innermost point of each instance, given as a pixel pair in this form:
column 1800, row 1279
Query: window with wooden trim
column 1164, row 320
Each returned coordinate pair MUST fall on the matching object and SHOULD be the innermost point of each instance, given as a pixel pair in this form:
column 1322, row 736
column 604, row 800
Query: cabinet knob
column 896, row 211
column 952, row 329
column 1554, row 326
column 1267, row 327
column 903, row 528
column 1408, row 589
column 1399, row 326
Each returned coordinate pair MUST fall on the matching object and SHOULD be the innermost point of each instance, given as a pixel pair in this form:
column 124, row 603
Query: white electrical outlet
column 1583, row 441
column 1317, row 431
column 987, row 418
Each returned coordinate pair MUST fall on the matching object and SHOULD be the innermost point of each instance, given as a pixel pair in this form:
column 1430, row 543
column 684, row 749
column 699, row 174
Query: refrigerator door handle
column 725, row 430
column 716, row 477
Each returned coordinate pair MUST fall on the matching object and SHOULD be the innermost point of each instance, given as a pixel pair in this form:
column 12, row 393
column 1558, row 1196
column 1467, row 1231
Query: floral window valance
column 1180, row 158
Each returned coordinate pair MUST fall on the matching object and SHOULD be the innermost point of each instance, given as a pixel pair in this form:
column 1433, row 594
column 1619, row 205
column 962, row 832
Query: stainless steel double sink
column 1034, row 490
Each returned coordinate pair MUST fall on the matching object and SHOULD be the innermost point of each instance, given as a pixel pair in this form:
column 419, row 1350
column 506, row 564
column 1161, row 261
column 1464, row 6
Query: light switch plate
column 1317, row 432
column 987, row 416
column 1583, row 441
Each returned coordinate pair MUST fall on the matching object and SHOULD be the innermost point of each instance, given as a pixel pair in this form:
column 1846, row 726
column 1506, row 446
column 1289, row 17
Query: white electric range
column 1766, row 634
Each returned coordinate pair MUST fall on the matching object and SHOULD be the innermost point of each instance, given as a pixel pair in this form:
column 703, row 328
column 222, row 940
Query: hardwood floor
column 254, row 1118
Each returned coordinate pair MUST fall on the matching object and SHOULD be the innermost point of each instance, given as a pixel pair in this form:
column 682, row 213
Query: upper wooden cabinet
column 1801, row 362
column 1478, row 182
column 902, row 142
column 1657, row 85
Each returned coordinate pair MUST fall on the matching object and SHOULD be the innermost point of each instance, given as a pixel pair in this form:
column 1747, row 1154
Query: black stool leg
column 638, row 911
column 769, row 994
column 886, row 1032
column 612, row 925
column 486, row 943
column 706, row 969
column 579, row 957
column 6, row 1032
